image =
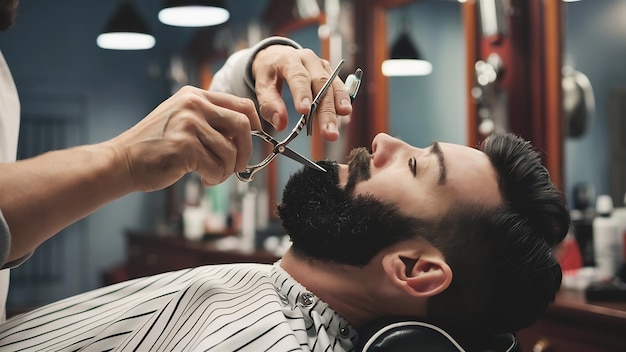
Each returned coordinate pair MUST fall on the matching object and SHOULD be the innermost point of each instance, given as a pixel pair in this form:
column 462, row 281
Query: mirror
column 594, row 44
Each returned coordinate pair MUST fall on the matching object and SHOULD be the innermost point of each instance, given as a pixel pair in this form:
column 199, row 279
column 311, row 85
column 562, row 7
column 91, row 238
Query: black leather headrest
column 412, row 335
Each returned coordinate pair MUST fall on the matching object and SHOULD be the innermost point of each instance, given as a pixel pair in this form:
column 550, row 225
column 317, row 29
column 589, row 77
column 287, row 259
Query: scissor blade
column 302, row 160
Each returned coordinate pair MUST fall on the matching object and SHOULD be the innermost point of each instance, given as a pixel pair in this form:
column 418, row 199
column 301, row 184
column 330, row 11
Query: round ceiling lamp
column 406, row 59
column 126, row 30
column 193, row 13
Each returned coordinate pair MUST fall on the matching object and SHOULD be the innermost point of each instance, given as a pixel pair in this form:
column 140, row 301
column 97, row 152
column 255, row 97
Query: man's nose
column 385, row 148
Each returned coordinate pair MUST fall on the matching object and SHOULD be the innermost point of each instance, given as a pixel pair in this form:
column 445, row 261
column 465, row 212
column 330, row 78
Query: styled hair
column 505, row 271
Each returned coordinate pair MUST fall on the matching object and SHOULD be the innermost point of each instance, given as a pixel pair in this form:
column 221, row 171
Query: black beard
column 328, row 223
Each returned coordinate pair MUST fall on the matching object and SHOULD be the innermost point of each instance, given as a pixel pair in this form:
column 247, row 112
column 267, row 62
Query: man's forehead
column 471, row 174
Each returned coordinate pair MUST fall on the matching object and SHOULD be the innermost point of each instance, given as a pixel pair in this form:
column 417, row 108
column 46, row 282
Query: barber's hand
column 302, row 69
column 193, row 130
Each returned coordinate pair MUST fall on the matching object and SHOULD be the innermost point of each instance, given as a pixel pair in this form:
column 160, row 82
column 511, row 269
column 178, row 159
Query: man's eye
column 413, row 166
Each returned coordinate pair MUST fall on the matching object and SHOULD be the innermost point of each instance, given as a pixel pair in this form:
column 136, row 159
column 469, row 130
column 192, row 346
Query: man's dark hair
column 505, row 271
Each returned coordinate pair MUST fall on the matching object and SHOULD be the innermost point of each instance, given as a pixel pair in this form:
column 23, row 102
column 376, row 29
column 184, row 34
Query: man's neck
column 350, row 291
column 335, row 284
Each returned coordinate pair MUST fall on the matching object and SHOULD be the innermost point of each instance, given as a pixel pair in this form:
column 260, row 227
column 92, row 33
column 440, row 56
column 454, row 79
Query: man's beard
column 328, row 223
column 8, row 9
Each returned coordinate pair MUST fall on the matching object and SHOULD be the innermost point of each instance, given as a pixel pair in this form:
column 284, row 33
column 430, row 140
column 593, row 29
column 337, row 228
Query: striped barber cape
column 234, row 307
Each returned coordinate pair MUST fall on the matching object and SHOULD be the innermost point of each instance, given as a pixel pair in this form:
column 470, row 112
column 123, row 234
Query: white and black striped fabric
column 235, row 307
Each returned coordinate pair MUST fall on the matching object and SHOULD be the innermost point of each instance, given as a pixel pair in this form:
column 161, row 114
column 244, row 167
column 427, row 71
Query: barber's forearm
column 41, row 196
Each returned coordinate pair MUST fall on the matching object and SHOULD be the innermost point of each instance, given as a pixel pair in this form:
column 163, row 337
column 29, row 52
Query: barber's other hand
column 193, row 130
column 302, row 69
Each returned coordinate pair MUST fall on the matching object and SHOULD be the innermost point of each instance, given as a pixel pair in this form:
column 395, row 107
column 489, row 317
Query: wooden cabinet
column 573, row 325
column 149, row 254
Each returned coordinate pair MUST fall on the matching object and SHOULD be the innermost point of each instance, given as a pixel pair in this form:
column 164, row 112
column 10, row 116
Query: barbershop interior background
column 73, row 92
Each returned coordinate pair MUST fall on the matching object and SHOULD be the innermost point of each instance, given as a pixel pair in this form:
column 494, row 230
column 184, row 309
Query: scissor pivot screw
column 281, row 149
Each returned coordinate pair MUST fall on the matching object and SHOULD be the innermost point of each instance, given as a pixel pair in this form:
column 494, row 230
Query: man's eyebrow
column 436, row 149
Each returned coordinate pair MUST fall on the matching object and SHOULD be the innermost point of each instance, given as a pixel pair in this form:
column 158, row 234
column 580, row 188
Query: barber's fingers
column 306, row 68
column 272, row 107
column 334, row 103
column 231, row 102
column 217, row 156
column 232, row 118
column 274, row 66
column 305, row 74
column 319, row 71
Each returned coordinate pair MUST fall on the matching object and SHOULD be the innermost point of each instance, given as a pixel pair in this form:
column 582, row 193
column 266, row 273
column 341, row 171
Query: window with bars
column 56, row 269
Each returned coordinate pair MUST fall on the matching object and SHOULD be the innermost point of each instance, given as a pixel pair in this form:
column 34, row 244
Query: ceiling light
column 405, row 59
column 126, row 30
column 193, row 13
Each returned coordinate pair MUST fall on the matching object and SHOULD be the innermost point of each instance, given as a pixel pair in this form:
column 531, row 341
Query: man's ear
column 420, row 274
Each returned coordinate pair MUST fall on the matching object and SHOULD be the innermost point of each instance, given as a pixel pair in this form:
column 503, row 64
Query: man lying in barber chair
column 457, row 240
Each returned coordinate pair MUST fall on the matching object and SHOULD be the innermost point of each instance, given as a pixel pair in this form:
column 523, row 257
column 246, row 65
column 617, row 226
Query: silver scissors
column 306, row 119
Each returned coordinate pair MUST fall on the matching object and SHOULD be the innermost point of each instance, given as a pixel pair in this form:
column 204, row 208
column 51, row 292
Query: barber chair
column 404, row 335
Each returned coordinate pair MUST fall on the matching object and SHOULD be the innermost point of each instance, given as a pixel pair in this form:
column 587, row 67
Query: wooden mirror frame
column 535, row 109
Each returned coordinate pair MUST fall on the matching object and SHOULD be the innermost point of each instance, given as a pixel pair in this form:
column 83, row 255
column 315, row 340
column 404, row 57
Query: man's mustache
column 358, row 168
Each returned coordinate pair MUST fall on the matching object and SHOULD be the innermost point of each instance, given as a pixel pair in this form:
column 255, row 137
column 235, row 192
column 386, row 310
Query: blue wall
column 425, row 108
column 595, row 44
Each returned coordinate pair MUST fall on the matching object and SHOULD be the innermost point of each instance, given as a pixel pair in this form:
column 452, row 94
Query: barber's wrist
column 116, row 165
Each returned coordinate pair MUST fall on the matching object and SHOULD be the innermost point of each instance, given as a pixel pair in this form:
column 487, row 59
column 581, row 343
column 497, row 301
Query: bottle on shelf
column 619, row 214
column 605, row 240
